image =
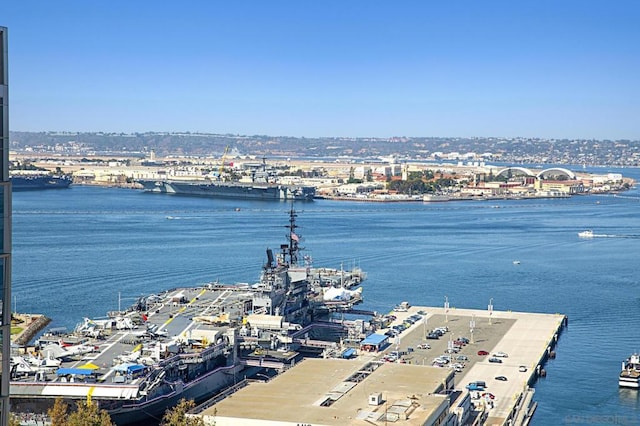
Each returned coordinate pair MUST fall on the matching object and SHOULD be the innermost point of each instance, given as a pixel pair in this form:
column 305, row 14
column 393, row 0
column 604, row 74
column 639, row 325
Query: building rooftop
column 338, row 392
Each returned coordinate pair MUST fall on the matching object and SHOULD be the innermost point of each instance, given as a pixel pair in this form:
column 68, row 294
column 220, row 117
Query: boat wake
column 634, row 236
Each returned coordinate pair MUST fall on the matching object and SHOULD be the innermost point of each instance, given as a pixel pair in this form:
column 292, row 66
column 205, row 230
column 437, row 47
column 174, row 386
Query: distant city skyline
column 320, row 69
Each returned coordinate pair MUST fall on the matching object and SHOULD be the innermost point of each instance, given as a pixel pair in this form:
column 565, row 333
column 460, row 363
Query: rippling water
column 76, row 250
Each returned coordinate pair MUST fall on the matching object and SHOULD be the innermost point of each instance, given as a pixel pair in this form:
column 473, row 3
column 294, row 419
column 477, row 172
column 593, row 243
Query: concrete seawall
column 34, row 323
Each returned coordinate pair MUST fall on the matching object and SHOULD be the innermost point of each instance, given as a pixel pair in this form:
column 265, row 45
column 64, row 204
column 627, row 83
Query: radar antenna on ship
column 291, row 250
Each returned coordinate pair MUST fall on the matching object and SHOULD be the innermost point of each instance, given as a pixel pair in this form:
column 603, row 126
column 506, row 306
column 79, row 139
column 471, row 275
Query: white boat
column 432, row 198
column 586, row 234
column 630, row 374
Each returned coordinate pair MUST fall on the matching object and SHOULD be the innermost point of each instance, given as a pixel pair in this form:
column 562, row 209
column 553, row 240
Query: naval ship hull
column 267, row 192
column 198, row 390
column 37, row 182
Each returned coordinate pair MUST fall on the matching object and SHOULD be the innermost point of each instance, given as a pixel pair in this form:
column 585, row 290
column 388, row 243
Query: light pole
column 490, row 309
column 446, row 309
column 472, row 325
column 424, row 322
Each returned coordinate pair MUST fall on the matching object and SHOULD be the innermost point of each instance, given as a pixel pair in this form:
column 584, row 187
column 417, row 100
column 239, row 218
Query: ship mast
column 294, row 239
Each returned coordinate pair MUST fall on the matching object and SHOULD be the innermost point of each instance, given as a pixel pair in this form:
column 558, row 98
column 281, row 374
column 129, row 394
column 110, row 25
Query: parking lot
column 485, row 338
column 522, row 337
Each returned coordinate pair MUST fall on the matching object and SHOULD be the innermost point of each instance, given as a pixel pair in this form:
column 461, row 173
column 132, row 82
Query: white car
column 501, row 355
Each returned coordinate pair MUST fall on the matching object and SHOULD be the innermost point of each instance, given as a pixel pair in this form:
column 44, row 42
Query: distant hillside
column 531, row 150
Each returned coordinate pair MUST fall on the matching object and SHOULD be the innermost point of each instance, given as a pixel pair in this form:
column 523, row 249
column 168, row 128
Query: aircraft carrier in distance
column 217, row 189
column 261, row 184
column 185, row 342
column 32, row 182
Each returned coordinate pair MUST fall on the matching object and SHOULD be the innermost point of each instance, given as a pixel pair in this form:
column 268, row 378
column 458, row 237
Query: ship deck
column 171, row 317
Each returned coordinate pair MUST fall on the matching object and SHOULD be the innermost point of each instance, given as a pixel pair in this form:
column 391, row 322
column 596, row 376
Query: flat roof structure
column 338, row 392
column 374, row 339
column 319, row 392
column 526, row 338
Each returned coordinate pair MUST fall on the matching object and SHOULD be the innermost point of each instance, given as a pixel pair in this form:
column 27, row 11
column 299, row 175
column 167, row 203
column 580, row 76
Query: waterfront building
column 5, row 238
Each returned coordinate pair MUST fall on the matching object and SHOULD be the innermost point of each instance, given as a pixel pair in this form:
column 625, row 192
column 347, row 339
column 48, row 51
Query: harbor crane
column 224, row 156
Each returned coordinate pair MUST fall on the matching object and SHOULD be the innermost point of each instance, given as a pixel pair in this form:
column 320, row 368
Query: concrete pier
column 527, row 338
column 324, row 393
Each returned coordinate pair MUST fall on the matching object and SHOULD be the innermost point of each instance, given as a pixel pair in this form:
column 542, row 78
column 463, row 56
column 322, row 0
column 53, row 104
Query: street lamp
column 424, row 321
column 490, row 308
column 446, row 309
column 472, row 325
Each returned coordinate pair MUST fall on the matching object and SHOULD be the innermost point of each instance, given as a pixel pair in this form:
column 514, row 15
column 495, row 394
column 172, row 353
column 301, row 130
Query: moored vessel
column 255, row 191
column 630, row 374
column 433, row 198
column 262, row 184
column 183, row 343
column 32, row 182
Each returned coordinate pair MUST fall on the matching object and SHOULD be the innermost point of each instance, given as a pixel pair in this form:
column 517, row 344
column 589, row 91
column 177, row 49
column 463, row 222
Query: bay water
column 87, row 250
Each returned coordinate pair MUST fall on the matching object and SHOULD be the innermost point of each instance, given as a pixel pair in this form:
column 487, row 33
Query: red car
column 483, row 353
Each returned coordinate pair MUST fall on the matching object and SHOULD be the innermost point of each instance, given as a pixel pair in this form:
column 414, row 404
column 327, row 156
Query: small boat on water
column 630, row 374
column 586, row 234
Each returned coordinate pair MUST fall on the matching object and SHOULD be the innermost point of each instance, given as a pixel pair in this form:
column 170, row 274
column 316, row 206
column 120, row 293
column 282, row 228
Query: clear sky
column 558, row 69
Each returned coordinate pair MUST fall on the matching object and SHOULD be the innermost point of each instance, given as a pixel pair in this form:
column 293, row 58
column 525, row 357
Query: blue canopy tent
column 128, row 367
column 76, row 371
column 348, row 353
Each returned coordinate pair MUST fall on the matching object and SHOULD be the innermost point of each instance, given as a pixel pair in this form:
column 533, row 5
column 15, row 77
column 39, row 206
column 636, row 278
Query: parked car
column 462, row 358
column 434, row 336
column 483, row 353
column 501, row 355
column 496, row 360
column 474, row 387
column 424, row 346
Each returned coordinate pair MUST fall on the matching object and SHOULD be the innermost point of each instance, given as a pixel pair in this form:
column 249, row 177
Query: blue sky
column 557, row 69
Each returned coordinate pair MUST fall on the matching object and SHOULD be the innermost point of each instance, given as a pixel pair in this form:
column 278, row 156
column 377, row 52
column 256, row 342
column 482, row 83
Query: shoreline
column 408, row 199
column 35, row 323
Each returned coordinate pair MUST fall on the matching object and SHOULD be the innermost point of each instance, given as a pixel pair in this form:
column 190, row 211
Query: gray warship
column 187, row 343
